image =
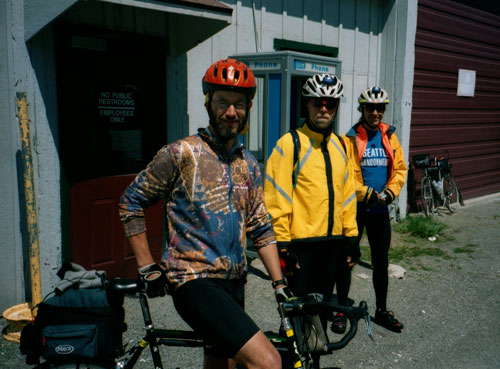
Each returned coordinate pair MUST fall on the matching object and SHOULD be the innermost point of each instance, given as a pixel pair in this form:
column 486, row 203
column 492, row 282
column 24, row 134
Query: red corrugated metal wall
column 451, row 36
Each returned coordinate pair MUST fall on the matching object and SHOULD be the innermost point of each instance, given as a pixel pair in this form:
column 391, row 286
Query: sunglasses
column 329, row 103
column 371, row 107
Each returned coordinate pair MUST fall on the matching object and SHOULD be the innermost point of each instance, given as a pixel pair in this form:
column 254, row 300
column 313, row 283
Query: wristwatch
column 280, row 282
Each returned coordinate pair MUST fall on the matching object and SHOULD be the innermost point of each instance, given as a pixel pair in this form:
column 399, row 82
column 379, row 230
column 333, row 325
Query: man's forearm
column 140, row 247
column 270, row 259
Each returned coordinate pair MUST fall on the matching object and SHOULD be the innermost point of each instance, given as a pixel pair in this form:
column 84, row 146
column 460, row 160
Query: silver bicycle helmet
column 323, row 85
column 374, row 95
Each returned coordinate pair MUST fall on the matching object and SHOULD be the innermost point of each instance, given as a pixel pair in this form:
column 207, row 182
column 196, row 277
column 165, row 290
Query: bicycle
column 297, row 344
column 438, row 185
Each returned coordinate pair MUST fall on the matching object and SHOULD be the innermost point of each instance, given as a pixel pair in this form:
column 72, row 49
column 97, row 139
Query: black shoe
column 386, row 319
column 339, row 323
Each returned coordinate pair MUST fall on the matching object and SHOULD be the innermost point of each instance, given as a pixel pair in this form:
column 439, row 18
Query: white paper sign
column 466, row 82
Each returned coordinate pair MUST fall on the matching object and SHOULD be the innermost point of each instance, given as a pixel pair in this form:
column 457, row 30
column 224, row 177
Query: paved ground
column 450, row 306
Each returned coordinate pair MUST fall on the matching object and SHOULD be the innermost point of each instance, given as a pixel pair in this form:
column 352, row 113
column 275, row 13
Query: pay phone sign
column 257, row 65
column 306, row 66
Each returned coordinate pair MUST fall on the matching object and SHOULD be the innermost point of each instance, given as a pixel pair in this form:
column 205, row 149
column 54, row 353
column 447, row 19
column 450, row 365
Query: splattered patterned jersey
column 214, row 201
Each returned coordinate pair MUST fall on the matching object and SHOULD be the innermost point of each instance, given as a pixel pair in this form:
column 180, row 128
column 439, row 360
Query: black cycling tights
column 378, row 231
column 319, row 262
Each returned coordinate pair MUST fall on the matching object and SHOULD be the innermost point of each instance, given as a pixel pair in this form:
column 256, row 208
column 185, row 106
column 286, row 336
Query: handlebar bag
column 78, row 325
column 421, row 161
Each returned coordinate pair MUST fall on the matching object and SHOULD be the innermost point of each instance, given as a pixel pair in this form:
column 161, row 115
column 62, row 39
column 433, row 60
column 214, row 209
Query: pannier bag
column 79, row 325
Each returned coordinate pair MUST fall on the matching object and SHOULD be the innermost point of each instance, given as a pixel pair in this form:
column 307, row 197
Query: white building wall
column 354, row 27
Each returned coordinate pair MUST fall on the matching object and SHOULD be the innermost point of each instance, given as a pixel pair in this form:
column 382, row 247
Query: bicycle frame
column 289, row 344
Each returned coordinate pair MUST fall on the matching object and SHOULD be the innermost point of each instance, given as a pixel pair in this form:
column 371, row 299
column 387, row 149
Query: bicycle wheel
column 427, row 196
column 450, row 192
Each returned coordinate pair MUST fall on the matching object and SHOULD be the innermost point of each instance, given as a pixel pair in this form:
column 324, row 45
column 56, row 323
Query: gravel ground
column 449, row 305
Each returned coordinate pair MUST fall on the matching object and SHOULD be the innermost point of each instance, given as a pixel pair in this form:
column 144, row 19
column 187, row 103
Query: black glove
column 153, row 280
column 352, row 248
column 288, row 260
column 371, row 197
column 387, row 196
column 282, row 293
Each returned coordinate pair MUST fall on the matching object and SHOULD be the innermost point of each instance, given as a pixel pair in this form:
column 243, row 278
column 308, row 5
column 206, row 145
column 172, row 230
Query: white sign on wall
column 466, row 82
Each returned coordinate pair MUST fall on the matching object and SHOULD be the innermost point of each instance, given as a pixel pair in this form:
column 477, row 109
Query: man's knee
column 258, row 352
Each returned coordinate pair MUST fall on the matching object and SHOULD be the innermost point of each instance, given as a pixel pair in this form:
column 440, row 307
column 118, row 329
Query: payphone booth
column 277, row 106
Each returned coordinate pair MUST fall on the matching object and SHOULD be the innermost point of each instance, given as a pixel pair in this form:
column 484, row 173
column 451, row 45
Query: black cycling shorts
column 214, row 308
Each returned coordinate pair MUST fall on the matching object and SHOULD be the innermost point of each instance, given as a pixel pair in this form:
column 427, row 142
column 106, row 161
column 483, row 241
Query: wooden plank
column 456, row 117
column 461, row 10
column 451, row 43
column 447, row 99
column 459, row 26
column 438, row 136
column 438, row 60
column 438, row 79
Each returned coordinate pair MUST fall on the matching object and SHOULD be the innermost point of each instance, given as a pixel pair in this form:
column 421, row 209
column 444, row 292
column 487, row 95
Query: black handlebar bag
column 80, row 325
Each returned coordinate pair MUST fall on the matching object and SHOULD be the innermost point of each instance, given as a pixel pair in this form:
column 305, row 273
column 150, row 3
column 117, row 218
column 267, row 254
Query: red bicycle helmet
column 231, row 75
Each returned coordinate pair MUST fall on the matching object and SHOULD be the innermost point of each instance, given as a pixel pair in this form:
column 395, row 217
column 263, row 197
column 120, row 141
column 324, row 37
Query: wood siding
column 451, row 36
column 354, row 27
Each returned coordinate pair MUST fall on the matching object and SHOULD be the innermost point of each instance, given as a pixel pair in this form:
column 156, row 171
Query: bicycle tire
column 450, row 192
column 427, row 197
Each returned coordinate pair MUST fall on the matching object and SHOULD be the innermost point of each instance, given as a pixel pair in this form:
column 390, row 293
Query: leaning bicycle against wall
column 214, row 200
column 380, row 172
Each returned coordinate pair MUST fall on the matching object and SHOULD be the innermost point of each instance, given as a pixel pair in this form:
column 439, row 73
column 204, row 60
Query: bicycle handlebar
column 353, row 314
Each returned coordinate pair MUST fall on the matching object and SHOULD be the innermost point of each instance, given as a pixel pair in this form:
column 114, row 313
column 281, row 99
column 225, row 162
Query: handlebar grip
column 353, row 314
column 353, row 323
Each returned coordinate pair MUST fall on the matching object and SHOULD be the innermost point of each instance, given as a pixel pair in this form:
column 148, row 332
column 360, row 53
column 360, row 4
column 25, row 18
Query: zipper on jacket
column 230, row 195
column 329, row 180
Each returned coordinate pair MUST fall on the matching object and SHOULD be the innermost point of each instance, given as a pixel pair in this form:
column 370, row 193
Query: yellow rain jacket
column 356, row 140
column 323, row 203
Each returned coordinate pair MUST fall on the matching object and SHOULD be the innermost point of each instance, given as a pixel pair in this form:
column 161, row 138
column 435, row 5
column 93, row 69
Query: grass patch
column 467, row 249
column 399, row 254
column 419, row 226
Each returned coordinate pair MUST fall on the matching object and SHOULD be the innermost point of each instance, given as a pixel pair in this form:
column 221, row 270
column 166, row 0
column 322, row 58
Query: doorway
column 112, row 121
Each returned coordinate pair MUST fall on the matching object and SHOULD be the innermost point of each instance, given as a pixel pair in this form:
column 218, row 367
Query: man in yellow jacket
column 311, row 199
column 380, row 170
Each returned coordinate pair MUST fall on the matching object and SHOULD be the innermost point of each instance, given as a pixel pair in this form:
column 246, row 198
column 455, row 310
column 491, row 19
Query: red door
column 97, row 237
column 112, row 120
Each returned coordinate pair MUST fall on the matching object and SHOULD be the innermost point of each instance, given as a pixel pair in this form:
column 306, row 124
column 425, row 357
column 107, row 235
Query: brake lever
column 368, row 326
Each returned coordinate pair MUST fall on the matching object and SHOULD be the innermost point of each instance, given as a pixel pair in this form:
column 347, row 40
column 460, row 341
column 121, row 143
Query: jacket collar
column 358, row 127
column 217, row 145
column 316, row 136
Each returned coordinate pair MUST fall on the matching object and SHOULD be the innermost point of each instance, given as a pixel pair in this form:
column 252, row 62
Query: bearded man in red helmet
column 214, row 199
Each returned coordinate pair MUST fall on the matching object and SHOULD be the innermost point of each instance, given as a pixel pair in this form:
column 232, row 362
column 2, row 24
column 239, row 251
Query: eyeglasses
column 329, row 103
column 223, row 105
column 371, row 107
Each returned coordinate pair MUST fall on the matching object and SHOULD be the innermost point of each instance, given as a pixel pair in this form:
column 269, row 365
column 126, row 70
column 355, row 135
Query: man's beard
column 225, row 134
